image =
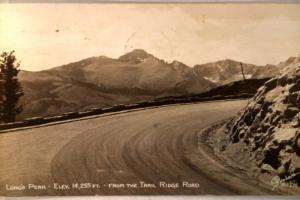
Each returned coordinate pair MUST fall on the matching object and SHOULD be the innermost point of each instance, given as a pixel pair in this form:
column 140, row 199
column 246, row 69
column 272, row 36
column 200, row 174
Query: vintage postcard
column 149, row 98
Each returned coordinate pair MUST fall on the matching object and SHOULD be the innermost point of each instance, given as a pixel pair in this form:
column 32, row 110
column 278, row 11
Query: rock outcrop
column 270, row 124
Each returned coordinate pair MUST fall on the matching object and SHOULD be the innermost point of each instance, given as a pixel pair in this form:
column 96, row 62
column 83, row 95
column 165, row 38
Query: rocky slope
column 270, row 124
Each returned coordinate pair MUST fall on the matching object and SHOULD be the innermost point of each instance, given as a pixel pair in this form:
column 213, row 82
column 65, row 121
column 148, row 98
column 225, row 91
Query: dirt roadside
column 238, row 156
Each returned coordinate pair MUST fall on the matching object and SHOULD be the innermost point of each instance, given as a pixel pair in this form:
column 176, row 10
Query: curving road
column 152, row 146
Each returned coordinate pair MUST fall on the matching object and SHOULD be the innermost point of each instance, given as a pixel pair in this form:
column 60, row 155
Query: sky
column 49, row 35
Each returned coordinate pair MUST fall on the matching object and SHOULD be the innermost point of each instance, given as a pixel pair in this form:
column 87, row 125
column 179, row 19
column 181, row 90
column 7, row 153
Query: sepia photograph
column 135, row 98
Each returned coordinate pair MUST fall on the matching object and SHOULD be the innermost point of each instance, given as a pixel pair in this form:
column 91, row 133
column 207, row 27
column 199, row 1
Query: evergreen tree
column 11, row 87
column 1, row 95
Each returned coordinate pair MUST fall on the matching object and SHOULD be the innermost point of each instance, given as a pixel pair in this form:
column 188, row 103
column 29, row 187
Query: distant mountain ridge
column 135, row 76
column 226, row 71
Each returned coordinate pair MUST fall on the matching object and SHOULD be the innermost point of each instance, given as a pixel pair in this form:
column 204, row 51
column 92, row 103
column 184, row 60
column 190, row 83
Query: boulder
column 294, row 99
column 290, row 112
column 271, row 84
column 295, row 87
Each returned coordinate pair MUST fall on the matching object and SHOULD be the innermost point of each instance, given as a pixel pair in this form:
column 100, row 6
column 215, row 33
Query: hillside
column 102, row 81
column 234, row 90
column 270, row 124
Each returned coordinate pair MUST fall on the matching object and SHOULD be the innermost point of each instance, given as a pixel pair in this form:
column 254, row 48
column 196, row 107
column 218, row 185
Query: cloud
column 191, row 33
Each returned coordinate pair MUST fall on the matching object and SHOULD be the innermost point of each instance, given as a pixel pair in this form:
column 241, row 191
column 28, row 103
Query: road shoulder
column 237, row 157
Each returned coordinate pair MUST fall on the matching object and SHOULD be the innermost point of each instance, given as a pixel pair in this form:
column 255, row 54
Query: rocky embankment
column 270, row 125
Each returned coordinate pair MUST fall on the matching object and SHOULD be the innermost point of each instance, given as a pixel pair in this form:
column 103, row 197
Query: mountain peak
column 178, row 64
column 135, row 55
column 138, row 52
column 228, row 61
